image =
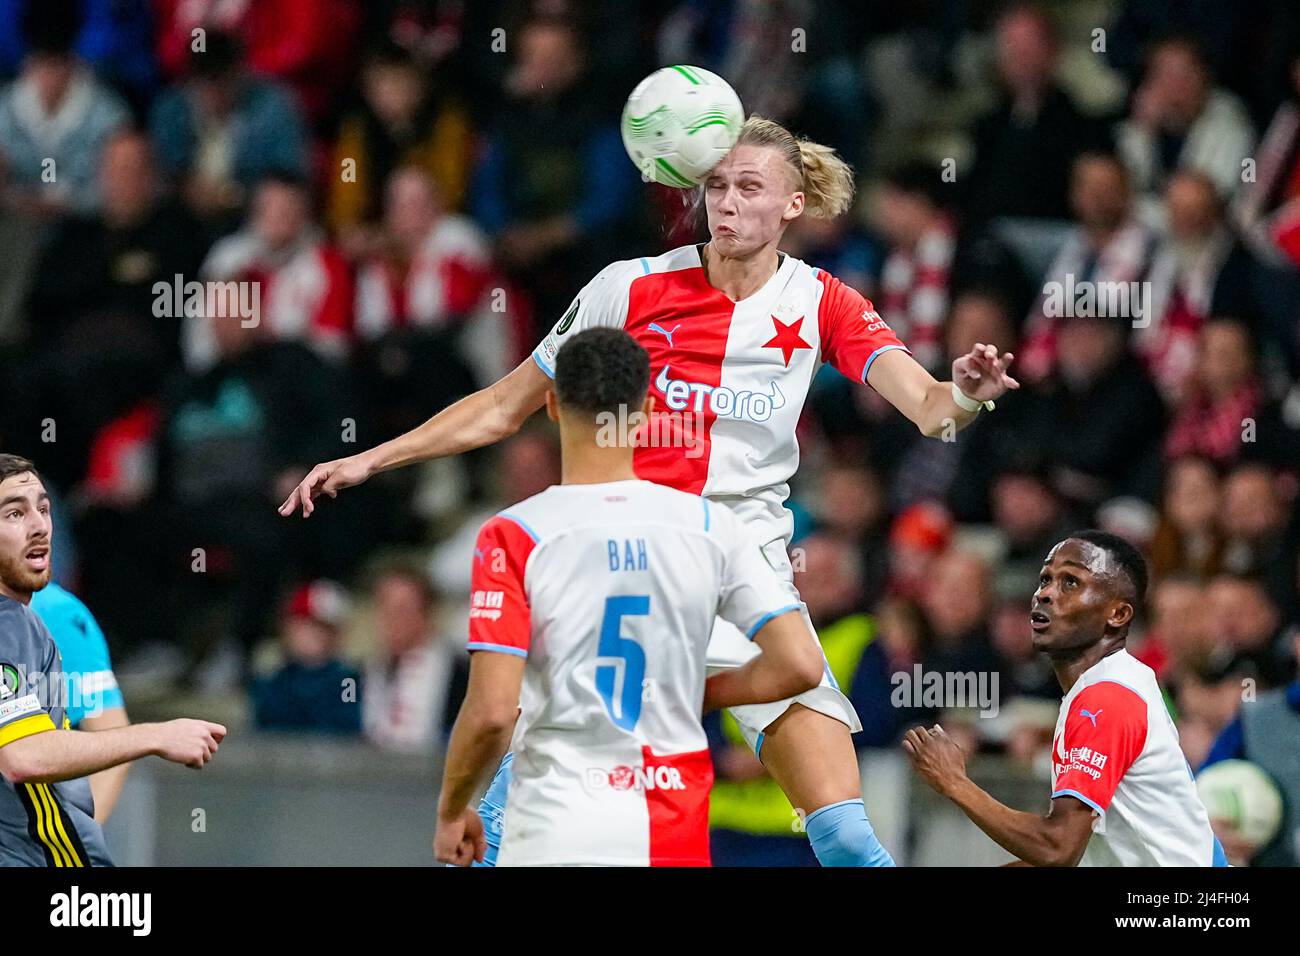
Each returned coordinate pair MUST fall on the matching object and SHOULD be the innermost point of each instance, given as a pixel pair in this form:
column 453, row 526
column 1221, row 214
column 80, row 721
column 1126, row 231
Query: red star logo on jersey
column 786, row 338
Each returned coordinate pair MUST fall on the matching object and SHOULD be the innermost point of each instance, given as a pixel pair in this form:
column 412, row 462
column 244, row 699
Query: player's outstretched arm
column 487, row 416
column 790, row 663
column 479, row 739
column 1057, row 839
column 980, row 376
column 106, row 786
column 54, row 755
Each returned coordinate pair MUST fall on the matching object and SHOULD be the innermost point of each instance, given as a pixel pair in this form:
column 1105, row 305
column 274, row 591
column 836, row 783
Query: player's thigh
column 808, row 750
column 812, row 757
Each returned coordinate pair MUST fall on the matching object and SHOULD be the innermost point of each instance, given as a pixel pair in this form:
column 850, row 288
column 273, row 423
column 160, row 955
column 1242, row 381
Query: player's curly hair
column 600, row 369
column 825, row 180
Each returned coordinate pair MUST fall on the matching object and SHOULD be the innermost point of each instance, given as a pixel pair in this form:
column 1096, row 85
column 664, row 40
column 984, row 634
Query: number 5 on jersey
column 624, row 708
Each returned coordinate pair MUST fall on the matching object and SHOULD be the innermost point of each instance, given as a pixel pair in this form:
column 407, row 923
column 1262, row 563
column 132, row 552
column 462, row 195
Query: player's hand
column 460, row 840
column 191, row 742
column 325, row 479
column 936, row 757
column 981, row 374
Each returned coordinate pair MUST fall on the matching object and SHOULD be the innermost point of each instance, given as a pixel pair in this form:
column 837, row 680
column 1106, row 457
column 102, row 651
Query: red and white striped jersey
column 1116, row 749
column 303, row 295
column 445, row 280
column 729, row 378
column 611, row 591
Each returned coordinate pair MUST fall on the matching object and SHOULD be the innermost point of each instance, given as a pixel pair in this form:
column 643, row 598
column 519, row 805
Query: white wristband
column 964, row 401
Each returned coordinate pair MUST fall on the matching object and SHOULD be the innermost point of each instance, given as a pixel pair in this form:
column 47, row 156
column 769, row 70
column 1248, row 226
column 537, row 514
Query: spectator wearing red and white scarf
column 1267, row 209
column 1226, row 396
column 914, row 280
column 304, row 289
column 1198, row 270
column 1108, row 245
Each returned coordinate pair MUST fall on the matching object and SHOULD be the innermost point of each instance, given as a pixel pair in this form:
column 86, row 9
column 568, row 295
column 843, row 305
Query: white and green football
column 678, row 124
column 1242, row 796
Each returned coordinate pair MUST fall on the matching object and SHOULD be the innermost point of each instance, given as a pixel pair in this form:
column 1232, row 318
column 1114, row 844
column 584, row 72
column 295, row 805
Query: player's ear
column 1121, row 615
column 648, row 406
column 795, row 208
column 552, row 405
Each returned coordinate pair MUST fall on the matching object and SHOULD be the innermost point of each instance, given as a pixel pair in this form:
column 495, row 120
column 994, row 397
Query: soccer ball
column 1244, row 797
column 678, row 124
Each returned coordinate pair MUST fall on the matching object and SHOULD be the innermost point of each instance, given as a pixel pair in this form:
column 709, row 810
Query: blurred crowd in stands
column 417, row 188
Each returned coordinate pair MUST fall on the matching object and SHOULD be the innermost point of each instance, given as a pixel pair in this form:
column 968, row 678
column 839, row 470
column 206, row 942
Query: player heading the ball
column 735, row 330
column 592, row 607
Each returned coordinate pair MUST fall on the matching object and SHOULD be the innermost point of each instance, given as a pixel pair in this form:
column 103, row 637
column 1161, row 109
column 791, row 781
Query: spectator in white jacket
column 1108, row 247
column 289, row 278
column 430, row 271
column 414, row 684
column 54, row 121
column 1180, row 121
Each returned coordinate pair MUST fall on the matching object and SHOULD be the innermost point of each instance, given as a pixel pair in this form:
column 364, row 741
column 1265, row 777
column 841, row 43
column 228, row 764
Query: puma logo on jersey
column 637, row 779
column 722, row 401
column 656, row 327
column 1085, row 712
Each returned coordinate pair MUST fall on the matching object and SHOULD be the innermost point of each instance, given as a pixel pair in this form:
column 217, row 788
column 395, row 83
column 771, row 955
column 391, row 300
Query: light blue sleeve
column 97, row 667
column 91, row 685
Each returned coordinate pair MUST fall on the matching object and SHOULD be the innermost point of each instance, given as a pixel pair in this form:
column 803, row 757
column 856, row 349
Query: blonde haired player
column 735, row 330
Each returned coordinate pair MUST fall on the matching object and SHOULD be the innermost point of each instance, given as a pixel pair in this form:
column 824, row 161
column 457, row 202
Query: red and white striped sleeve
column 499, row 615
column 1105, row 731
column 852, row 332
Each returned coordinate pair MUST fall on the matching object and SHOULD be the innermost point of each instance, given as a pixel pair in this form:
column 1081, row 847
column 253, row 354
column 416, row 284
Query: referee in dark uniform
column 47, row 813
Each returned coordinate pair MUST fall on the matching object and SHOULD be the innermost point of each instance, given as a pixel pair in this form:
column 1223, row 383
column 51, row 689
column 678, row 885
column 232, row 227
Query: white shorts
column 728, row 647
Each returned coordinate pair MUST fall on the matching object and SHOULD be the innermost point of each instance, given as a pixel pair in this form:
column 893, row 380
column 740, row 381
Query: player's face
column 25, row 536
column 1077, row 598
column 750, row 197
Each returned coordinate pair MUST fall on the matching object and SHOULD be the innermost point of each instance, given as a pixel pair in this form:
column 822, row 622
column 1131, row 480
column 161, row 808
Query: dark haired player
column 590, row 617
column 1122, row 793
column 47, row 813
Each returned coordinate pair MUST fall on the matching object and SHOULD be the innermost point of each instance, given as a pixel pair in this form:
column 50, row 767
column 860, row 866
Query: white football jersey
column 729, row 378
column 1116, row 749
column 611, row 591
